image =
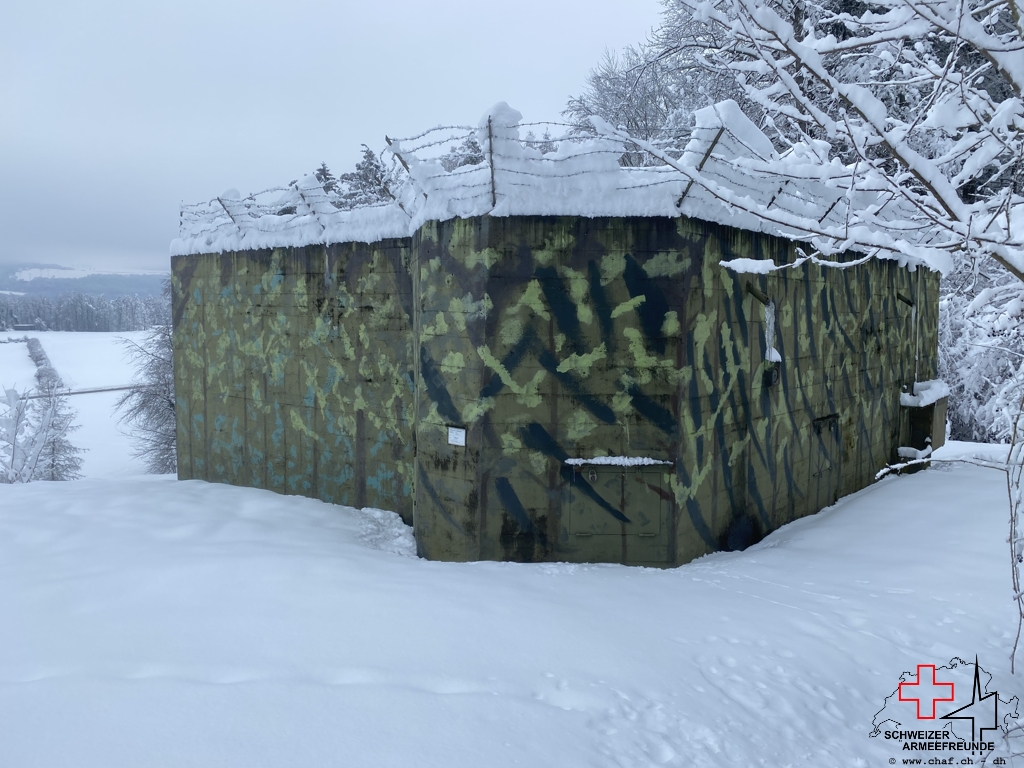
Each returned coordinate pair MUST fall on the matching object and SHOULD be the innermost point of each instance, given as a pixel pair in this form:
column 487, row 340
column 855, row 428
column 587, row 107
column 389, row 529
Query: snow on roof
column 572, row 175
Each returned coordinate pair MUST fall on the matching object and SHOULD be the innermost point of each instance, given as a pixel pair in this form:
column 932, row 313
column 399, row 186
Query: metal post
column 311, row 210
column 404, row 165
column 490, row 150
column 231, row 216
column 700, row 166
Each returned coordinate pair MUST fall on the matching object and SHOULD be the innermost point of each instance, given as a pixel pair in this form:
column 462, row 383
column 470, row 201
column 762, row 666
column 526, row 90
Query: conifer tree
column 368, row 184
column 326, row 178
column 467, row 153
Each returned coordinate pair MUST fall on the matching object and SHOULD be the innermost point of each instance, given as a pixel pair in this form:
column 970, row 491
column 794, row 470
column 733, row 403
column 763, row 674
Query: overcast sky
column 112, row 113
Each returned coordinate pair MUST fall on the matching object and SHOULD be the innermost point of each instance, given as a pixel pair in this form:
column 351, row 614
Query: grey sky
column 111, row 113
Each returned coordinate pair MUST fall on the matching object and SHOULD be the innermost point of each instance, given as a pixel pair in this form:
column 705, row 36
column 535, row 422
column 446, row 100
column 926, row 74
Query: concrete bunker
column 538, row 388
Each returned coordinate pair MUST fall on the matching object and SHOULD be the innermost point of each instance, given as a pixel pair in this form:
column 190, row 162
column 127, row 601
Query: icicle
column 771, row 354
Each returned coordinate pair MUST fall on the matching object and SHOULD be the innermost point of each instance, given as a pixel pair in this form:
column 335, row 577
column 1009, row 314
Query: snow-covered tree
column 147, row 409
column 652, row 89
column 326, row 178
column 981, row 350
column 950, row 158
column 84, row 312
column 544, row 144
column 21, row 438
column 30, row 429
column 915, row 104
column 467, row 153
column 59, row 459
column 34, row 426
column 910, row 113
column 368, row 184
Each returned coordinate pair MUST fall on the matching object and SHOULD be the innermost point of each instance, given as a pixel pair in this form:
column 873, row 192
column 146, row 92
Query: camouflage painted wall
column 293, row 371
column 549, row 339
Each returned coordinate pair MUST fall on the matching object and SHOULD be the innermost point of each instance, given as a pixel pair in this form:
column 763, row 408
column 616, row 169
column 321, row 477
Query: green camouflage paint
column 293, row 371
column 337, row 371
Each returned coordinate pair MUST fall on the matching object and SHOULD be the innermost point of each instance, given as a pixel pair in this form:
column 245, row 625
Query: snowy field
column 162, row 623
column 84, row 361
column 16, row 367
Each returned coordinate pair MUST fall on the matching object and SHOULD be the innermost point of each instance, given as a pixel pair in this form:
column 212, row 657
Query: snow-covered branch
column 924, row 96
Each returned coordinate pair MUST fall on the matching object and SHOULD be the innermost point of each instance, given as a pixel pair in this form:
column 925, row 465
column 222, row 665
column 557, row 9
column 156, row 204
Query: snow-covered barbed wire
column 725, row 171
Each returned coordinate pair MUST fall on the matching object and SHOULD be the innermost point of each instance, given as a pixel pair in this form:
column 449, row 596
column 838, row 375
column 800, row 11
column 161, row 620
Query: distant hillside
column 45, row 281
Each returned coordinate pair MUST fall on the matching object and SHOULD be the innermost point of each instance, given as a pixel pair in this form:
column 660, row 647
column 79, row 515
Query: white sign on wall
column 456, row 436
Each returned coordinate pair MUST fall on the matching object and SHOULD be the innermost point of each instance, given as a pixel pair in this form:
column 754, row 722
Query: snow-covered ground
column 84, row 361
column 16, row 367
column 162, row 623
column 145, row 621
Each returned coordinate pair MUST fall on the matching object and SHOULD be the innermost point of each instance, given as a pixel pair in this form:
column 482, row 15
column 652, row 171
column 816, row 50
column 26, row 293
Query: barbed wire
column 462, row 170
column 419, row 147
column 679, row 179
column 466, row 197
column 739, row 167
column 436, row 128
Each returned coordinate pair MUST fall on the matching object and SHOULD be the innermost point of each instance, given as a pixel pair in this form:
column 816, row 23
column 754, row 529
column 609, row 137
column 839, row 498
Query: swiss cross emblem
column 926, row 691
